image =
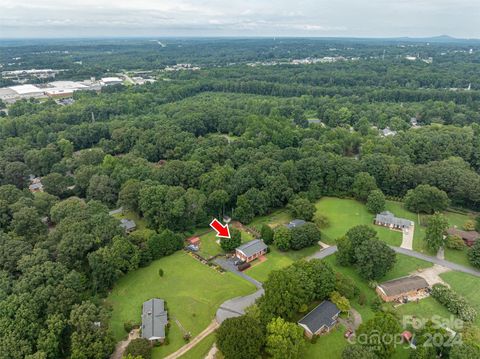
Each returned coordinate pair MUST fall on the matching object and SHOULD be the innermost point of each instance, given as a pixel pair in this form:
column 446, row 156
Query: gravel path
column 121, row 346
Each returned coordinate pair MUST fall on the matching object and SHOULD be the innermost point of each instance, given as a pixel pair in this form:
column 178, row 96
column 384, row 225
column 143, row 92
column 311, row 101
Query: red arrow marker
column 222, row 231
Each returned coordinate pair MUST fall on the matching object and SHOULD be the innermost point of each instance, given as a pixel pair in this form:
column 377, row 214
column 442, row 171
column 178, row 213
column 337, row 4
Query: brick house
column 401, row 288
column 321, row 319
column 251, row 250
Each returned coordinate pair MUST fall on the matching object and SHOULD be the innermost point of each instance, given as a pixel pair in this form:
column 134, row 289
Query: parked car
column 192, row 248
column 243, row 266
column 238, row 261
column 348, row 333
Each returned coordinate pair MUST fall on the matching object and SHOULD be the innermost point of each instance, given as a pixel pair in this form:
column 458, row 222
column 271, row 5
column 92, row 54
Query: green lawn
column 193, row 292
column 200, row 350
column 347, row 213
column 328, row 346
column 209, row 246
column 277, row 260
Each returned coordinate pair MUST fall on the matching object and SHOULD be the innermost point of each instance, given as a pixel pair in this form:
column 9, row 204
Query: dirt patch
column 121, row 346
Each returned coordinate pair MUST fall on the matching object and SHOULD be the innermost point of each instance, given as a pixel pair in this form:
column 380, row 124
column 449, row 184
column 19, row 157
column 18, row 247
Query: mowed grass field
column 209, row 246
column 277, row 260
column 347, row 213
column 192, row 290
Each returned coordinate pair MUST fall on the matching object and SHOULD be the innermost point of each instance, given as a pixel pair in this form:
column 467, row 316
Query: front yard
column 193, row 292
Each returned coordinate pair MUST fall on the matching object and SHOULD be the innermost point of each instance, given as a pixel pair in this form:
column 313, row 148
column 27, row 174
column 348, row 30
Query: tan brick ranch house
column 401, row 288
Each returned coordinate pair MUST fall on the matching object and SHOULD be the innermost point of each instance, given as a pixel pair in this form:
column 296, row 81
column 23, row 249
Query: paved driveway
column 407, row 237
column 229, row 266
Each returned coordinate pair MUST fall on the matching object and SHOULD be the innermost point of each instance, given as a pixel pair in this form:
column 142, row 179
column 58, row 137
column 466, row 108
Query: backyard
column 193, row 292
column 209, row 246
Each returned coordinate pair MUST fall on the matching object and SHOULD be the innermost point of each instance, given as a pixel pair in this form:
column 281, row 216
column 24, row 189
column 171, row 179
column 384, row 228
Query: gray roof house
column 321, row 319
column 154, row 319
column 128, row 225
column 295, row 223
column 388, row 219
column 251, row 250
column 387, row 132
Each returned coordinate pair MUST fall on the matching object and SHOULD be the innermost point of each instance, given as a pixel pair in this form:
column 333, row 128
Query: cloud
column 235, row 17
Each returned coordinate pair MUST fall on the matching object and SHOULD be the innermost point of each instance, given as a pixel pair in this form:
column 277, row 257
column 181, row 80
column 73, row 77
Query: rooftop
column 296, row 223
column 127, row 224
column 26, row 89
column 154, row 319
column 321, row 315
column 252, row 247
column 389, row 218
column 403, row 285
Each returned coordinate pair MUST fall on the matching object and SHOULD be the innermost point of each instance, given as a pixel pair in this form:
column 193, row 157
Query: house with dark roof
column 387, row 219
column 469, row 237
column 401, row 289
column 128, row 225
column 321, row 319
column 251, row 250
column 154, row 319
column 295, row 223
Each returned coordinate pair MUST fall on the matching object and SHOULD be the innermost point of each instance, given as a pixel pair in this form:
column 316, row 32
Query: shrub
column 454, row 302
column 321, row 221
column 469, row 225
column 160, row 272
column 345, row 286
column 455, row 242
column 128, row 326
column 340, row 301
column 267, row 234
column 362, row 299
column 376, row 304
column 139, row 347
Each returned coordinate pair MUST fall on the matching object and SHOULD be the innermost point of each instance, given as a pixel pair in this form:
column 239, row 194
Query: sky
column 345, row 18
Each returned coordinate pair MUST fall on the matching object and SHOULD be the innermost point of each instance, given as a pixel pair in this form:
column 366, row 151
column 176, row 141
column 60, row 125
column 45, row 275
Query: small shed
column 128, row 225
column 321, row 319
column 251, row 250
column 401, row 288
column 194, row 241
column 295, row 223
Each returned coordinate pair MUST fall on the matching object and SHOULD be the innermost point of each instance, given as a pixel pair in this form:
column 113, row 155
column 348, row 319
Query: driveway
column 407, row 237
column 432, row 274
column 435, row 260
column 208, row 330
column 228, row 265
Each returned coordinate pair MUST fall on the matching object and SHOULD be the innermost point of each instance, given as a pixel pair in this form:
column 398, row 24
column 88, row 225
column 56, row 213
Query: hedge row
column 454, row 302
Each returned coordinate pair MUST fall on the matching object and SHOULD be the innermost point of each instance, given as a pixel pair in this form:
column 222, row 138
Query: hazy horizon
column 249, row 18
